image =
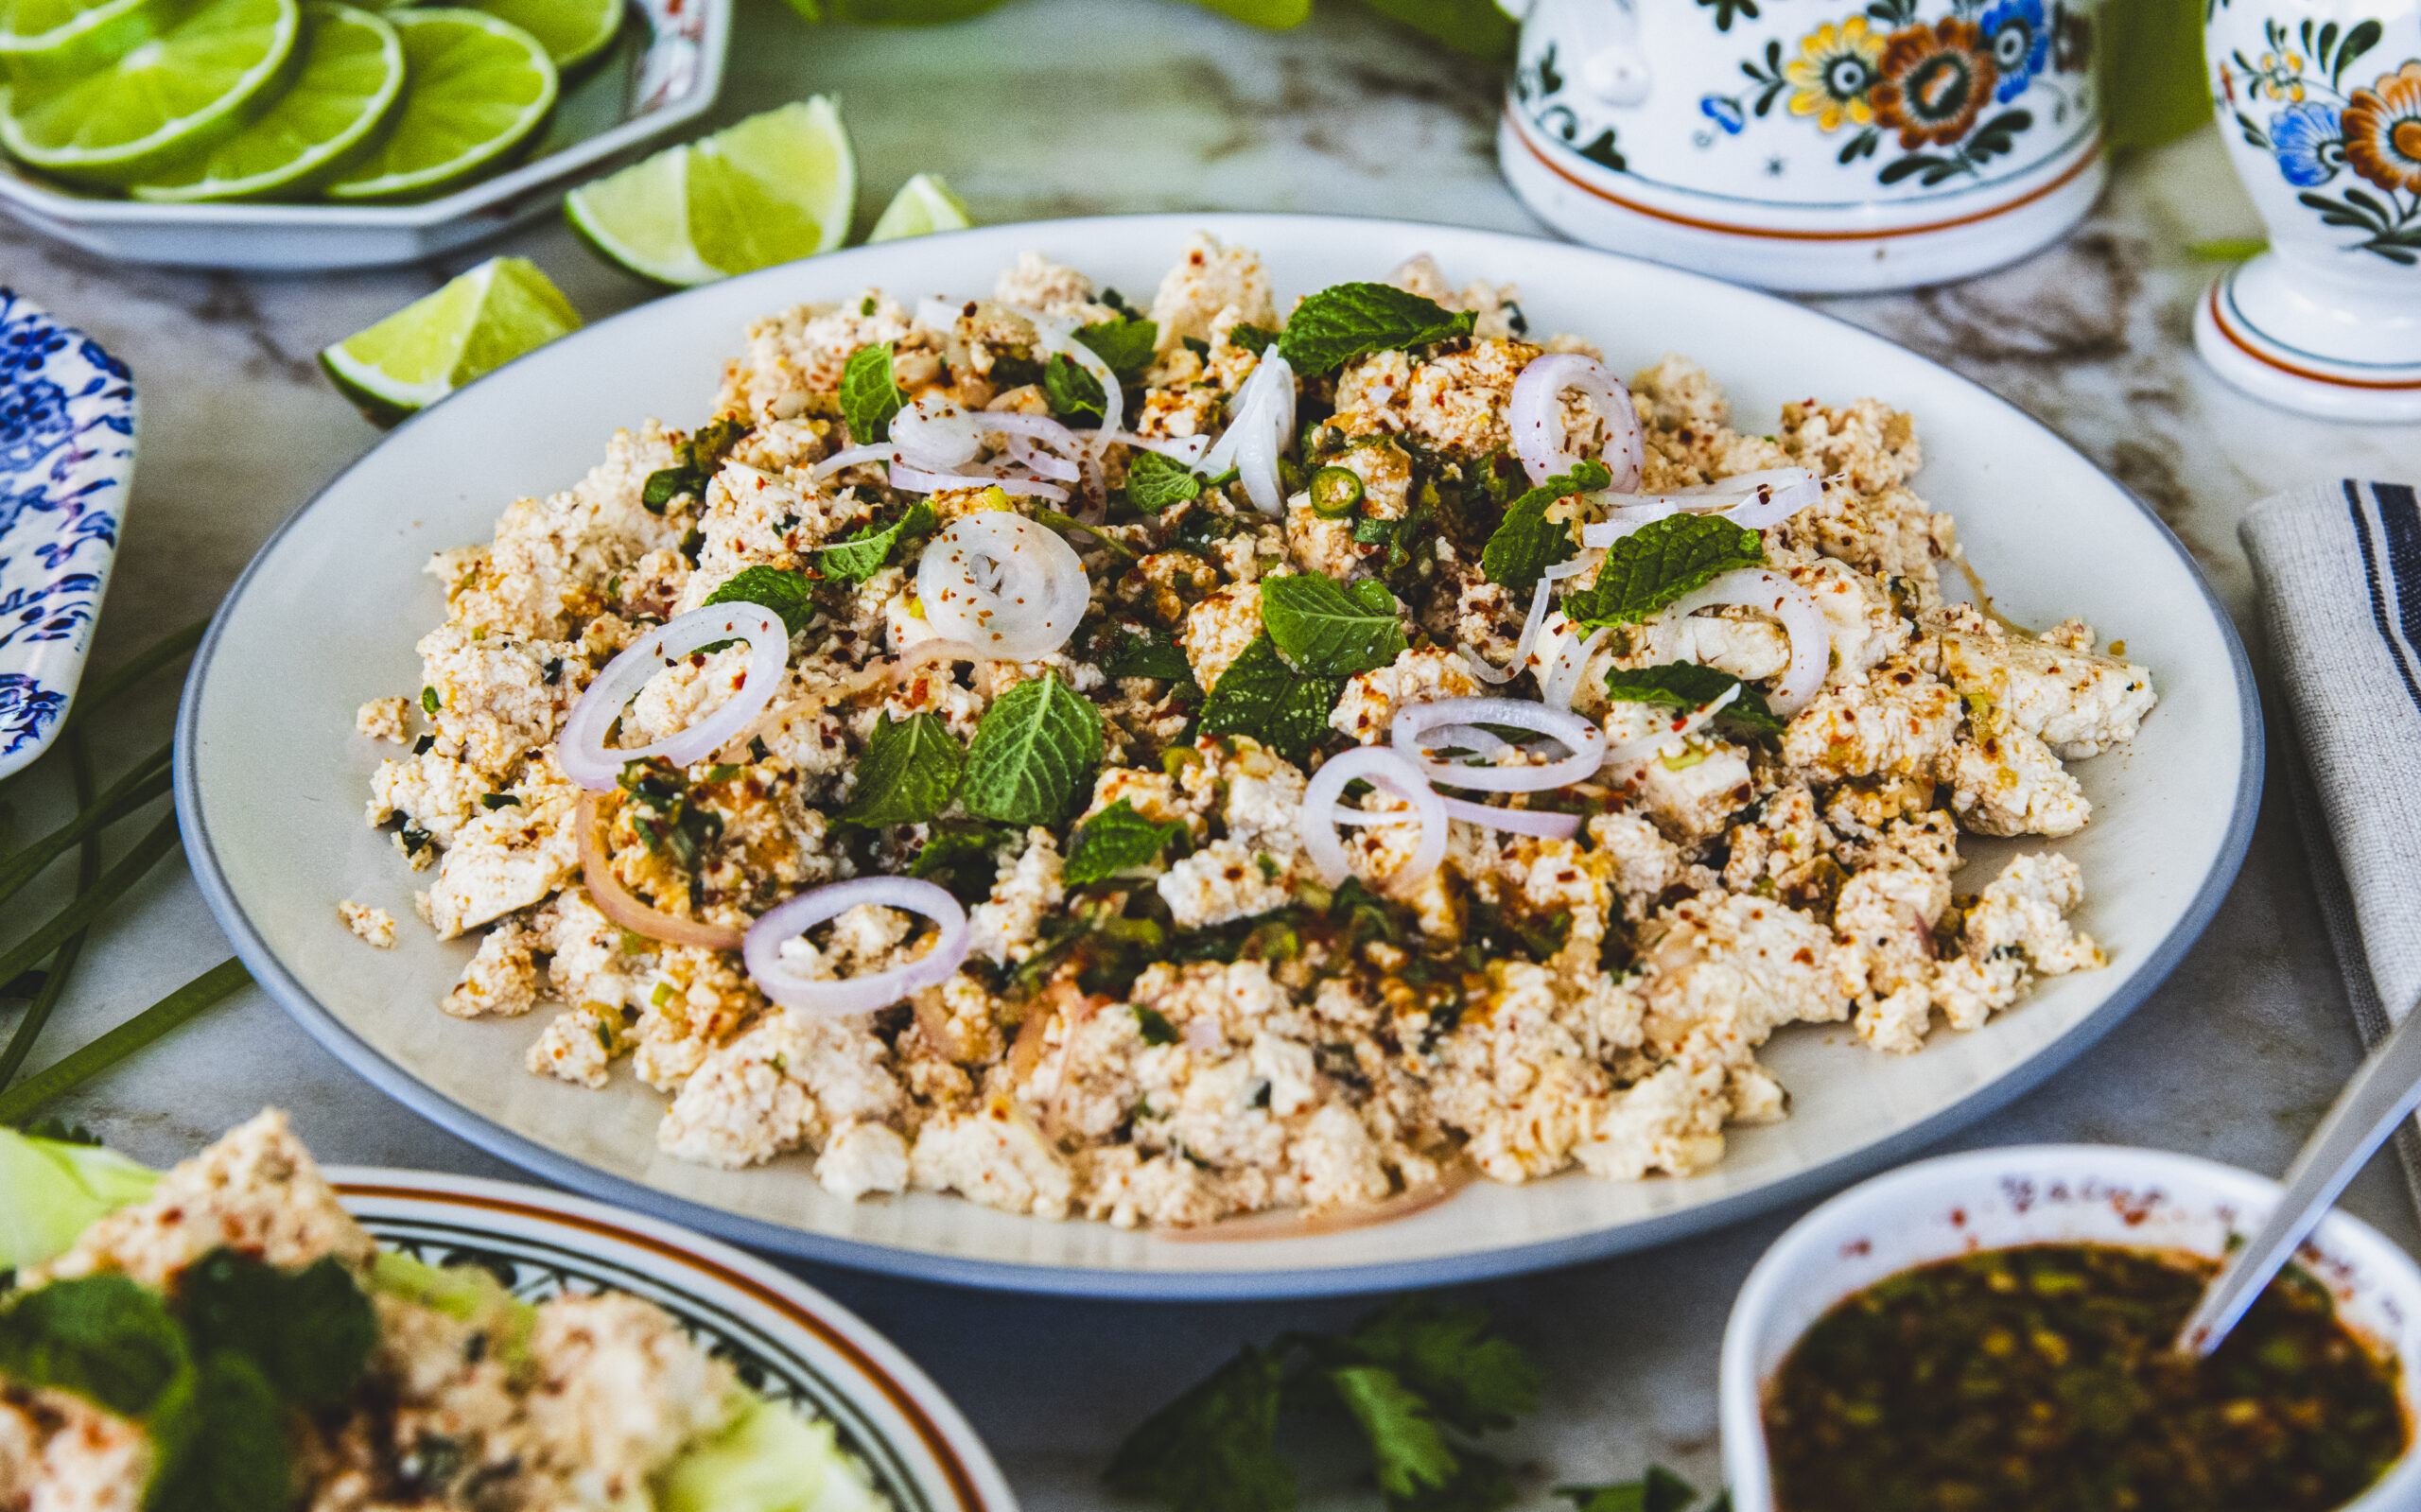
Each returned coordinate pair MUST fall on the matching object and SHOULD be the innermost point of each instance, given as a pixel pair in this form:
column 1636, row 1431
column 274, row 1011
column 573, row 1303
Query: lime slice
column 172, row 95
column 771, row 188
column 923, row 205
column 477, row 88
column 574, row 32
column 434, row 345
column 351, row 75
column 54, row 38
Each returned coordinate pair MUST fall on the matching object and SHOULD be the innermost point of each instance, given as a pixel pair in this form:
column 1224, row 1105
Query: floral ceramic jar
column 1809, row 145
column 2321, row 103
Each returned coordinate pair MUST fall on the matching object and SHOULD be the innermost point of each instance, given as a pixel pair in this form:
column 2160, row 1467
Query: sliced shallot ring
column 1581, row 738
column 1030, row 455
column 1295, row 1222
column 1186, row 449
column 1561, row 683
column 1386, row 770
column 917, row 480
column 622, row 906
column 1633, row 752
column 1751, row 500
column 1545, row 825
column 1004, row 585
column 1534, row 415
column 1811, row 633
column 852, row 457
column 581, row 750
column 1261, row 425
column 762, row 949
column 935, row 648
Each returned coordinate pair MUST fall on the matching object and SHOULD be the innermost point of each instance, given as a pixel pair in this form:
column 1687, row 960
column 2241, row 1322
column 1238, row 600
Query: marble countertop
column 1065, row 107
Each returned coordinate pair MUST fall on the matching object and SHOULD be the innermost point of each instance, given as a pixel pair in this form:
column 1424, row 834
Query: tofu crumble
column 1219, row 1033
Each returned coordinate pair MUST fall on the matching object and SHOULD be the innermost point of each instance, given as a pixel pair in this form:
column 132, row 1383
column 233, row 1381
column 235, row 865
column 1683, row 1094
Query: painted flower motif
column 2281, row 77
column 2383, row 130
column 2071, row 39
column 1725, row 113
column 2307, row 143
column 2020, row 38
column 1834, row 73
column 1935, row 81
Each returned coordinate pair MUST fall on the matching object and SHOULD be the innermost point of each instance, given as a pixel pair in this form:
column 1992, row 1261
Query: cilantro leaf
column 105, row 1337
column 1261, row 696
column 1348, row 320
column 860, row 556
column 1253, row 339
column 1214, row 1449
column 869, row 394
column 1038, row 743
column 311, row 1331
column 910, row 771
column 1127, row 345
column 1074, row 395
column 1474, row 1378
column 1116, row 840
column 1139, row 657
column 1658, row 564
column 1154, row 483
column 1331, row 629
column 963, row 857
column 1529, row 543
column 1660, row 1491
column 234, row 1459
column 1688, row 685
column 1407, row 1450
column 786, row 594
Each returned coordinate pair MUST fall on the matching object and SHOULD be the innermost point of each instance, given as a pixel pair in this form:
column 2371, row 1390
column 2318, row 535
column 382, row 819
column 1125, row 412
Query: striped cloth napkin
column 2339, row 569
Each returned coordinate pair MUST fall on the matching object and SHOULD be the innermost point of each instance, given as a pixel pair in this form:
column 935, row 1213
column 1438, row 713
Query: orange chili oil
column 2040, row 1378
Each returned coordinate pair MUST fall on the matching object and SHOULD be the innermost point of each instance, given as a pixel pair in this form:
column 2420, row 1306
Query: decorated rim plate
column 271, row 777
column 786, row 1341
column 67, row 460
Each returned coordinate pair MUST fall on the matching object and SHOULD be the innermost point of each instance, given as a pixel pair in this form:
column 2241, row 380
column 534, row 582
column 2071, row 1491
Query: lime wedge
column 923, row 205
column 574, row 32
column 54, row 38
column 477, row 88
column 171, row 96
column 351, row 75
column 771, row 188
column 434, row 345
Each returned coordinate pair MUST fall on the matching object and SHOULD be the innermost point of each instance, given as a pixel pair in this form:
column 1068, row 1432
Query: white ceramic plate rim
column 2143, row 971
column 973, row 1482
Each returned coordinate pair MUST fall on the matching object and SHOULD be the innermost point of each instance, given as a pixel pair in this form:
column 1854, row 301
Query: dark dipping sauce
column 2040, row 1378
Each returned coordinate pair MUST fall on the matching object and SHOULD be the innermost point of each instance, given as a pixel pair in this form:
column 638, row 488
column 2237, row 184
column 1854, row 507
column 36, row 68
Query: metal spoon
column 2382, row 1094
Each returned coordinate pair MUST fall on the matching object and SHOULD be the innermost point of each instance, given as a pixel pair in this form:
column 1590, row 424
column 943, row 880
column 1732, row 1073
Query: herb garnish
column 1154, row 483
column 870, row 396
column 862, row 554
column 1249, row 338
column 959, row 855
column 1348, row 320
column 907, row 774
column 1330, row 629
column 1136, row 656
column 1689, row 686
column 699, row 457
column 1658, row 564
column 1128, row 346
column 1116, row 840
column 1261, row 696
column 1529, row 543
column 787, row 594
column 1039, row 742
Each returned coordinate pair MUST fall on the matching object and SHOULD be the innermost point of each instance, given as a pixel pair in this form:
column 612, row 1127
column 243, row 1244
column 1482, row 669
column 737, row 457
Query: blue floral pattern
column 2309, row 142
column 67, row 412
column 2019, row 35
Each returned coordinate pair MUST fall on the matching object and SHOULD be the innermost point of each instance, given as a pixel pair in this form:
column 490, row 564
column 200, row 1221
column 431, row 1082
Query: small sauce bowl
column 2041, row 1194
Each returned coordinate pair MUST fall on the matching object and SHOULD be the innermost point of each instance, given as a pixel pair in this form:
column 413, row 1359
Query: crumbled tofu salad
column 226, row 1336
column 1165, row 765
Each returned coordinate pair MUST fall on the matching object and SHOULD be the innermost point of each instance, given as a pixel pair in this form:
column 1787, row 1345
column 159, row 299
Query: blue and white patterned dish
column 67, row 460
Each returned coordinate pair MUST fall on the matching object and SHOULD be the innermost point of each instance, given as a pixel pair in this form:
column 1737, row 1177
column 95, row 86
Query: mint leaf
column 1689, row 686
column 869, row 394
column 963, row 857
column 1328, row 628
column 1154, row 483
column 1214, row 1449
column 1407, row 1450
column 1253, row 339
column 786, row 594
column 1529, row 543
column 908, row 773
column 1038, row 743
column 1154, row 1026
column 310, row 1332
column 1261, row 696
column 1661, row 1491
column 1074, row 395
column 1116, row 840
column 1474, row 1378
column 234, row 1459
column 1127, row 345
column 1348, row 320
column 860, row 556
column 1658, row 564
column 1139, row 657
column 105, row 1337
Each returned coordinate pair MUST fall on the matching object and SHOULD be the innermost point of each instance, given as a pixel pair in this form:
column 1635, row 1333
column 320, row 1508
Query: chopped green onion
column 135, row 669
column 53, row 932
column 81, row 1065
column 87, row 869
column 148, row 779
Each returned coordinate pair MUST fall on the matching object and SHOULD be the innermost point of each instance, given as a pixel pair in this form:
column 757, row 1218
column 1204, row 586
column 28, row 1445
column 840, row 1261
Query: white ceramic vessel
column 1852, row 148
column 2041, row 1194
column 2320, row 101
column 663, row 73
